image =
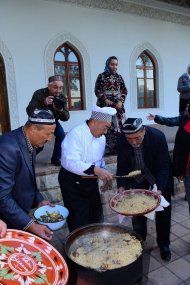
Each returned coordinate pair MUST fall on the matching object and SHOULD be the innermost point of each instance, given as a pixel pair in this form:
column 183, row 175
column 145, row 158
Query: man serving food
column 145, row 148
column 82, row 152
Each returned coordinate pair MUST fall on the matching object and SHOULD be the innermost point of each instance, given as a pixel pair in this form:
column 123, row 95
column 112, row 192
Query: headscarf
column 107, row 68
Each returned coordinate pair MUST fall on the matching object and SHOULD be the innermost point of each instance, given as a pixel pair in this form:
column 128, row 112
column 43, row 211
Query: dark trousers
column 163, row 222
column 182, row 105
column 59, row 137
column 82, row 198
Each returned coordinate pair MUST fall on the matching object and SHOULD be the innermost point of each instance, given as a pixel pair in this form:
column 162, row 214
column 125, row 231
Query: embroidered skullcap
column 132, row 125
column 103, row 114
column 42, row 117
column 55, row 78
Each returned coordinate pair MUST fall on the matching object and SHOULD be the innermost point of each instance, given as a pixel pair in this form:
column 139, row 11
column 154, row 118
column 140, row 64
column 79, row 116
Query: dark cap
column 42, row 117
column 55, row 78
column 132, row 125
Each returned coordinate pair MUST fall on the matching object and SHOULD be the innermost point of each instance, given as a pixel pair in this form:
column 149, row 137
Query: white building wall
column 28, row 28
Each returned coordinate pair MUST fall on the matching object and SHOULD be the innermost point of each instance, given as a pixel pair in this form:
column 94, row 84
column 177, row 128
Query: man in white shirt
column 82, row 155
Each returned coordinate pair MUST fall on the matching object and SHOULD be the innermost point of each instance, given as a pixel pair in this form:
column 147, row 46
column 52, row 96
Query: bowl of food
column 104, row 254
column 135, row 202
column 53, row 217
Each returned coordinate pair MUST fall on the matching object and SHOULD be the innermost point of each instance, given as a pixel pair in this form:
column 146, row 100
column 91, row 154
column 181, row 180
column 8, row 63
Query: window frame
column 145, row 78
column 68, row 77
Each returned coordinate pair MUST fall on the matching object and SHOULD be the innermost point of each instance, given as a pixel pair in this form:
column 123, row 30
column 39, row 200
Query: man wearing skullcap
column 183, row 87
column 145, row 148
column 52, row 98
column 82, row 155
column 18, row 189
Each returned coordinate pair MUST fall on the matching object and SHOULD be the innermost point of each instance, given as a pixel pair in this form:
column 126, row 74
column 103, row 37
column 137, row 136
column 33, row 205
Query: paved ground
column 156, row 271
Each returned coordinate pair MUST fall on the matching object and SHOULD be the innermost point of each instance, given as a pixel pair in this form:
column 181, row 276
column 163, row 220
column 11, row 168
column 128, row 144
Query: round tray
column 129, row 193
column 28, row 259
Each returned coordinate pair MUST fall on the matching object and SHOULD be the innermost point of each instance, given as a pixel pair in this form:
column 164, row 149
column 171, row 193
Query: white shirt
column 80, row 150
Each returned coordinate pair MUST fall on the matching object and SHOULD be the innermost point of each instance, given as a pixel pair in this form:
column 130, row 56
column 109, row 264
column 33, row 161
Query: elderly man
column 51, row 98
column 82, row 155
column 145, row 149
column 183, row 87
column 18, row 189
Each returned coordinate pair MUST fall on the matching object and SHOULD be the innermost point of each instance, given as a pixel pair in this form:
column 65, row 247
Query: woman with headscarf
column 111, row 91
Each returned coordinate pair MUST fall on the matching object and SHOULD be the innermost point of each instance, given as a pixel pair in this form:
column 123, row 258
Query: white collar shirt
column 80, row 150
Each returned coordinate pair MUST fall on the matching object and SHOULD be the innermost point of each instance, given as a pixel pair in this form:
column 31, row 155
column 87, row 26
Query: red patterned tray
column 26, row 259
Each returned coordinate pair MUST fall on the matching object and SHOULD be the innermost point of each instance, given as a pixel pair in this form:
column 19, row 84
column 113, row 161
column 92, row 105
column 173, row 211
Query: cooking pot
column 80, row 275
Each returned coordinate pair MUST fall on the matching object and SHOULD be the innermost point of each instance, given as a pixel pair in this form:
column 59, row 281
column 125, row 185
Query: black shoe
column 165, row 253
column 55, row 162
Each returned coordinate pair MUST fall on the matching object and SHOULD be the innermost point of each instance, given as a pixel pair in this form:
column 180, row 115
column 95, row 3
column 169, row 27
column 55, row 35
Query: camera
column 58, row 102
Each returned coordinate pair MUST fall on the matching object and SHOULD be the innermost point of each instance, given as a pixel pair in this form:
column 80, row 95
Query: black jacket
column 156, row 158
column 37, row 102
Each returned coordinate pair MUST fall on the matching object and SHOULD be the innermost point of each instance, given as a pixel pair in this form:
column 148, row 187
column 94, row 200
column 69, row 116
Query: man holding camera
column 52, row 98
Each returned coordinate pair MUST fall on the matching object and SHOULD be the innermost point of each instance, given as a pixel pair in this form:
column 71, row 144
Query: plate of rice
column 135, row 202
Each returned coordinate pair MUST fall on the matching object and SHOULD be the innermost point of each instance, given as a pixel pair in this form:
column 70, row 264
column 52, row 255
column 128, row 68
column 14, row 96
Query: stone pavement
column 156, row 271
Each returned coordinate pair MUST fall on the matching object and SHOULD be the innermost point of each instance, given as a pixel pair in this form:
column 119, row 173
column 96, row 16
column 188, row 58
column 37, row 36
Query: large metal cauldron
column 80, row 275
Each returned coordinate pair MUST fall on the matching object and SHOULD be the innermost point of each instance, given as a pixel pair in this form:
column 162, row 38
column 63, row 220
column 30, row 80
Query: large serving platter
column 26, row 259
column 125, row 203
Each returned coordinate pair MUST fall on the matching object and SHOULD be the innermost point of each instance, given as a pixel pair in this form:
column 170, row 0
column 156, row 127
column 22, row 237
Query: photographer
column 52, row 98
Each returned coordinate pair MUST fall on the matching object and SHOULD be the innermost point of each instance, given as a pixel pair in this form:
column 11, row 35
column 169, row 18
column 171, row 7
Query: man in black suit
column 145, row 148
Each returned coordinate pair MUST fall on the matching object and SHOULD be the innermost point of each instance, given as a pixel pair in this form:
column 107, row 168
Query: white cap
column 103, row 114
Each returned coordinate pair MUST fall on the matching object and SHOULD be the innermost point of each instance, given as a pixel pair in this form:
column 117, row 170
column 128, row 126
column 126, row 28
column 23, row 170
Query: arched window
column 67, row 63
column 146, row 89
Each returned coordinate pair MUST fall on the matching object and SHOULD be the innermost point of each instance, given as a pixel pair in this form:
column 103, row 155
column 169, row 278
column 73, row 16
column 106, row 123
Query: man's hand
column 48, row 100
column 105, row 186
column 180, row 178
column 3, row 228
column 44, row 203
column 108, row 102
column 102, row 173
column 41, row 231
column 150, row 117
column 120, row 190
column 119, row 105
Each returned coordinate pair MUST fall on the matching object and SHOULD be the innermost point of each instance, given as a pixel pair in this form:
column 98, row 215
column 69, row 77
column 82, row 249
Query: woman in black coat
column 181, row 153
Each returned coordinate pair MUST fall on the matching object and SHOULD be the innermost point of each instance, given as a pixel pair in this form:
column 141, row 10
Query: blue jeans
column 59, row 137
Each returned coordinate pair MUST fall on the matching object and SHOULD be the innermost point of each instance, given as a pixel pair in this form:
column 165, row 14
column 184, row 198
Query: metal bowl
column 85, row 275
